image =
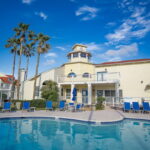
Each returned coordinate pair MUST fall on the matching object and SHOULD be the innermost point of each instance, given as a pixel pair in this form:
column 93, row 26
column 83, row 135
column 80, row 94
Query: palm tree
column 12, row 43
column 28, row 52
column 42, row 47
column 21, row 34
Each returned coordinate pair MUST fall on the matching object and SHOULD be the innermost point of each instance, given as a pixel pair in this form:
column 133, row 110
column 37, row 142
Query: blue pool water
column 48, row 134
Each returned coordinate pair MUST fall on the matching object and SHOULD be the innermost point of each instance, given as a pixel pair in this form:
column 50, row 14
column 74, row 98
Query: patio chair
column 26, row 106
column 6, row 107
column 62, row 105
column 71, row 106
column 78, row 107
column 49, row 105
column 136, row 107
column 146, row 107
column 127, row 106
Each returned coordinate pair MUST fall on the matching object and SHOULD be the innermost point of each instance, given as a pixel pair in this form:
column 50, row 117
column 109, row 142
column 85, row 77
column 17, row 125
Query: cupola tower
column 79, row 54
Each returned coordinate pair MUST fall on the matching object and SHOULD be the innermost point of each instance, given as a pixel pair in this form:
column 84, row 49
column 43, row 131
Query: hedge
column 38, row 103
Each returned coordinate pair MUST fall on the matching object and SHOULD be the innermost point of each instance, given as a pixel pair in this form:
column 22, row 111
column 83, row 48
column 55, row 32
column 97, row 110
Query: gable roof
column 123, row 62
column 6, row 79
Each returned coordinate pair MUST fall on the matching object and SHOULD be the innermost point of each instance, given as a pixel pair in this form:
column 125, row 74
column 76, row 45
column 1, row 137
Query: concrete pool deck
column 103, row 116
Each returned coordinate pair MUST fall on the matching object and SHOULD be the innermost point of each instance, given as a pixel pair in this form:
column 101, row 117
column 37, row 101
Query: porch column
column 72, row 87
column 89, row 94
column 59, row 91
column 117, row 91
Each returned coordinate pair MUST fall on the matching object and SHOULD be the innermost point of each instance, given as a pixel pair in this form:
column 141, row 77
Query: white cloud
column 121, row 51
column 137, row 26
column 111, row 24
column 50, row 55
column 49, row 62
column 42, row 15
column 61, row 48
column 27, row 1
column 92, row 46
column 87, row 12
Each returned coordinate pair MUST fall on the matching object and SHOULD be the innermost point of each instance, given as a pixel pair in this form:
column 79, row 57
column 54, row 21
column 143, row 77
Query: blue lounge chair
column 49, row 105
column 136, row 106
column 62, row 105
column 7, row 106
column 127, row 106
column 71, row 104
column 146, row 107
column 26, row 106
column 78, row 107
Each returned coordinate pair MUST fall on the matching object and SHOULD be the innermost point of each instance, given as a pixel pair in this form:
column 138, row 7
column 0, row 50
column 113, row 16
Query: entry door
column 101, row 76
column 84, row 96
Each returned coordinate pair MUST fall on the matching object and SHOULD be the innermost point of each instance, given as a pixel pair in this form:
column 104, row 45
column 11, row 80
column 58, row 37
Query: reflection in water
column 46, row 134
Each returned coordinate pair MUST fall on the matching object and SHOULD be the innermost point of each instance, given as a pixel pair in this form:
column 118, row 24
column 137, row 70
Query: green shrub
column 38, row 103
column 100, row 103
column 49, row 91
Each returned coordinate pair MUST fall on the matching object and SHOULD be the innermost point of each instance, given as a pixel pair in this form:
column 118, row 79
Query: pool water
column 49, row 134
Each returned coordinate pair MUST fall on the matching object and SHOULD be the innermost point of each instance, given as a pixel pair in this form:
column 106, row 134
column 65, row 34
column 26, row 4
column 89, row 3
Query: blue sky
column 112, row 29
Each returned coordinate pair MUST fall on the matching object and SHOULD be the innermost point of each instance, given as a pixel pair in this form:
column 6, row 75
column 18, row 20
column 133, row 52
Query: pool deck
column 103, row 116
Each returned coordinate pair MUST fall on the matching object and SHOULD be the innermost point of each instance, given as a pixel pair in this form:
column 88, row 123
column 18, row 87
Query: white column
column 59, row 91
column 72, row 87
column 89, row 94
column 117, row 91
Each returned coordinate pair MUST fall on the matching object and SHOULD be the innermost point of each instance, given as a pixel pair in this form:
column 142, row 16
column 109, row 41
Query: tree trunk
column 36, row 73
column 13, row 74
column 27, row 66
column 19, row 65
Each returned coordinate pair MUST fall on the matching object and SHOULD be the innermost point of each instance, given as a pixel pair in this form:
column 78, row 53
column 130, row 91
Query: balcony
column 111, row 77
column 5, row 88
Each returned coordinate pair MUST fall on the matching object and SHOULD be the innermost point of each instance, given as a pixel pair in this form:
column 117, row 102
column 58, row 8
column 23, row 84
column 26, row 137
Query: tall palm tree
column 28, row 52
column 42, row 47
column 21, row 34
column 12, row 43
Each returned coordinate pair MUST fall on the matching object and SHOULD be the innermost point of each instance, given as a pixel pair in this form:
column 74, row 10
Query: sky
column 113, row 30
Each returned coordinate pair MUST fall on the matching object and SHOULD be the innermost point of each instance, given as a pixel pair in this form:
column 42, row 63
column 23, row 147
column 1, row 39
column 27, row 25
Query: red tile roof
column 123, row 62
column 6, row 79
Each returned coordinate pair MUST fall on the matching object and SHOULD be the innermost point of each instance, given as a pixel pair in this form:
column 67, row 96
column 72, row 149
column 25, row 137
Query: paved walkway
column 108, row 115
column 138, row 115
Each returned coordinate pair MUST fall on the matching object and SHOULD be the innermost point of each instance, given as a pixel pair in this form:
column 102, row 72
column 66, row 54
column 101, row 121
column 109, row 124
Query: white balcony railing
column 96, row 78
column 5, row 88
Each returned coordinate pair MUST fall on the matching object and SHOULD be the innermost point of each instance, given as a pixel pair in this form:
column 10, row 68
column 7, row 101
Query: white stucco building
column 113, row 80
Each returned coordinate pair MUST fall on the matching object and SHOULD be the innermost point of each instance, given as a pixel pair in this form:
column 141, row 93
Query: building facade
column 112, row 80
column 5, row 86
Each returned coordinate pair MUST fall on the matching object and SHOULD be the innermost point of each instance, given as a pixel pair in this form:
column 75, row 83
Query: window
column 2, row 85
column 120, row 93
column 62, row 91
column 110, row 93
column 83, row 55
column 72, row 74
column 10, row 79
column 86, row 75
column 101, row 76
column 89, row 57
column 68, row 93
column 37, row 90
column 75, row 54
column 99, row 93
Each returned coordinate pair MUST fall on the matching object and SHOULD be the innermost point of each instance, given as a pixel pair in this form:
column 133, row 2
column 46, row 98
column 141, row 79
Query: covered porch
column 87, row 93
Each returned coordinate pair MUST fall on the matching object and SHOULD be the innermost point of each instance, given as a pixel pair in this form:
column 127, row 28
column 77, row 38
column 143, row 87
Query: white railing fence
column 113, row 76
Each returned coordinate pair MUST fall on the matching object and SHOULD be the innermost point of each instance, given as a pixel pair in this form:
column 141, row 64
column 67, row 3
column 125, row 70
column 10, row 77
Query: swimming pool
column 50, row 134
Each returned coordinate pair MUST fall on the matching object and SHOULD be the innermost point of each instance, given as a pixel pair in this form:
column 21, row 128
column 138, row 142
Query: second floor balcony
column 5, row 87
column 99, row 77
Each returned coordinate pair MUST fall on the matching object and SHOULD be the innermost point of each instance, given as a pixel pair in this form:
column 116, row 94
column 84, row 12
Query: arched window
column 72, row 74
column 86, row 75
